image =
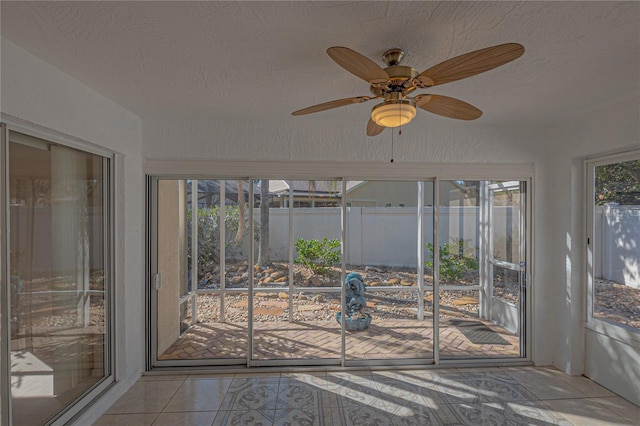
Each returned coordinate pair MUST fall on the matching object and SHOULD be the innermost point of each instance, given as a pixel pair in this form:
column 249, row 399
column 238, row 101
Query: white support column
column 436, row 271
column 194, row 251
column 524, row 267
column 223, row 237
column 343, row 267
column 420, row 253
column 291, row 246
column 251, row 275
column 484, row 244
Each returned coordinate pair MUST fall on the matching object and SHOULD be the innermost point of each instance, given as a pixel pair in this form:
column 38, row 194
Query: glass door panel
column 459, row 272
column 384, row 246
column 507, row 259
column 59, row 279
column 476, row 217
column 202, row 285
column 231, row 332
column 297, row 291
column 222, row 268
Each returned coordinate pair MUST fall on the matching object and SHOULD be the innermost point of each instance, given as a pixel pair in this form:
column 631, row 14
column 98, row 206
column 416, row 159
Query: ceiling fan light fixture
column 394, row 83
column 393, row 113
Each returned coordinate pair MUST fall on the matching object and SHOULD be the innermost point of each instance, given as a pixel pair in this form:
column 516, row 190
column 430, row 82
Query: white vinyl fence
column 617, row 244
column 378, row 235
column 388, row 236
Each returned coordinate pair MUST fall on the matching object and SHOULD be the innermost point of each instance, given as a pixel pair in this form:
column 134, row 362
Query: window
column 59, row 276
column 615, row 249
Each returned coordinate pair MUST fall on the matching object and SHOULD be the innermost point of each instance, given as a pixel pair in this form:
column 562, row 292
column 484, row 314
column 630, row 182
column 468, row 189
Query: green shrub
column 454, row 263
column 209, row 237
column 318, row 255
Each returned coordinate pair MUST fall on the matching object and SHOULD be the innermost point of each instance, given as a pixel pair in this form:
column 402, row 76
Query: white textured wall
column 36, row 92
column 561, row 187
column 427, row 139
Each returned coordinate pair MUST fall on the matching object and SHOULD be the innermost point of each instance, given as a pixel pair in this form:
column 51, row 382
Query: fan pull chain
column 391, row 146
column 399, row 132
column 399, row 114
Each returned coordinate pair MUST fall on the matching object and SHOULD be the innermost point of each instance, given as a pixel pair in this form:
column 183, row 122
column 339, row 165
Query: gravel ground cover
column 617, row 302
column 613, row 301
column 322, row 305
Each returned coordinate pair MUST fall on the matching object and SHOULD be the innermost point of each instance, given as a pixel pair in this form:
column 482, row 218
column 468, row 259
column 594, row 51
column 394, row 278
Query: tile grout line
column 352, row 378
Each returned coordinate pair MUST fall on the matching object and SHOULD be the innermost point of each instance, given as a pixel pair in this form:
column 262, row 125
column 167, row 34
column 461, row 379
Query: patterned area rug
column 478, row 333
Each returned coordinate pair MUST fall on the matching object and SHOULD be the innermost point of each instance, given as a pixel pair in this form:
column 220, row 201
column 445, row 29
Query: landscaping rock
column 278, row 274
column 307, row 308
column 466, row 300
column 275, row 303
column 272, row 311
column 313, row 281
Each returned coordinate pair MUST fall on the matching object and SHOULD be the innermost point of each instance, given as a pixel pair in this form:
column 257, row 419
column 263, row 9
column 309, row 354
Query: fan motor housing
column 401, row 72
column 398, row 75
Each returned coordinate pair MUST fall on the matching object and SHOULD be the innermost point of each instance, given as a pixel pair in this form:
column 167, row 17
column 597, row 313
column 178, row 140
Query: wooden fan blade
column 373, row 129
column 470, row 64
column 358, row 64
column 447, row 107
column 331, row 104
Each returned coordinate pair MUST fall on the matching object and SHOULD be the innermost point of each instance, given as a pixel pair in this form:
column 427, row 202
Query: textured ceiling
column 259, row 61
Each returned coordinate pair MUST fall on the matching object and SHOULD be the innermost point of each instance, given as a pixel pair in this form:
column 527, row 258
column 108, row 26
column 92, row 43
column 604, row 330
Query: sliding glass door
column 506, row 284
column 297, row 272
column 59, row 276
column 264, row 272
column 388, row 225
column 200, row 270
column 482, row 257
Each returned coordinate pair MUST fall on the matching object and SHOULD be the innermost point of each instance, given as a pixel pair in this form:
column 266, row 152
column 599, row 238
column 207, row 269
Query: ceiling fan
column 394, row 83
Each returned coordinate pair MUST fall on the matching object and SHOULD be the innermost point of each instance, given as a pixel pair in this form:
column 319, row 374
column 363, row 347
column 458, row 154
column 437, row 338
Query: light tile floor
column 496, row 396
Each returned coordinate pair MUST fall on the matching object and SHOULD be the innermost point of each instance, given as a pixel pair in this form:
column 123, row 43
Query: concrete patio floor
column 321, row 340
